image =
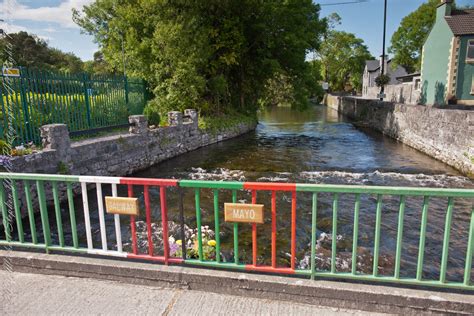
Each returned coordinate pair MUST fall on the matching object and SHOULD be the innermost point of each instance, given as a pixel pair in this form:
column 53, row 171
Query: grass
column 215, row 124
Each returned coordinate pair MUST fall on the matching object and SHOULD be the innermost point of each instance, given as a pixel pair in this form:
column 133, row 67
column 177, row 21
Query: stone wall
column 121, row 154
column 444, row 134
column 400, row 93
column 118, row 155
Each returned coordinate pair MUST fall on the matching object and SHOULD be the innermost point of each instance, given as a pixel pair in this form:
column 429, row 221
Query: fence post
column 126, row 91
column 26, row 115
column 86, row 99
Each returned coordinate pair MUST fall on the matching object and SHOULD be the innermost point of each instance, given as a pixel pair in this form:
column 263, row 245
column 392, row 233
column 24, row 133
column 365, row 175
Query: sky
column 52, row 21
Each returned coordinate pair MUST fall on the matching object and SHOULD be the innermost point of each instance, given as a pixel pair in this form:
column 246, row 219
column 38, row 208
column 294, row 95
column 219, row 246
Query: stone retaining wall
column 400, row 93
column 444, row 134
column 122, row 154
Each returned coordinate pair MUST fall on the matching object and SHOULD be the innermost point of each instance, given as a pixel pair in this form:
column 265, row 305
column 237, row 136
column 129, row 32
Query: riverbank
column 444, row 134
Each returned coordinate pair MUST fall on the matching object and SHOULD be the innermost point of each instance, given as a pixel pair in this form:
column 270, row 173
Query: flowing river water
column 320, row 146
column 313, row 146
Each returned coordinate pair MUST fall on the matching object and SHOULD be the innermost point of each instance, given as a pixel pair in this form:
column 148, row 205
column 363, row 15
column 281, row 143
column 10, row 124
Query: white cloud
column 61, row 14
column 12, row 28
column 49, row 30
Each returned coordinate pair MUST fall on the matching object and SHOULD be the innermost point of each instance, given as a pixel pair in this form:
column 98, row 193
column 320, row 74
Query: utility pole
column 382, row 69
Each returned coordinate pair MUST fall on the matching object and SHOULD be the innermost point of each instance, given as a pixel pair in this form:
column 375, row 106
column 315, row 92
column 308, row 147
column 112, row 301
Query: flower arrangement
column 192, row 245
column 175, row 244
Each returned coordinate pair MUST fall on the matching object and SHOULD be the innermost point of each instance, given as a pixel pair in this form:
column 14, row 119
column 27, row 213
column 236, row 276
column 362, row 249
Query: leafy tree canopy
column 342, row 56
column 213, row 55
column 407, row 41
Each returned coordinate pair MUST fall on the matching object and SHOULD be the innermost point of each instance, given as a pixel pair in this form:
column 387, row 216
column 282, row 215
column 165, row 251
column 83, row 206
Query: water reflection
column 317, row 139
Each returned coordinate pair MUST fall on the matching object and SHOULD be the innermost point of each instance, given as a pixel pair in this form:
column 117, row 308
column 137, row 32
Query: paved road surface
column 34, row 294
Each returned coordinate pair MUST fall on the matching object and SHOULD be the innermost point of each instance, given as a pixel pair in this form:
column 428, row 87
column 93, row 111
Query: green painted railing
column 83, row 102
column 30, row 193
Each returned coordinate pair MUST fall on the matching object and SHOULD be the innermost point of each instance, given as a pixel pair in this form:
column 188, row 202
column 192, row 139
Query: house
column 447, row 67
column 372, row 70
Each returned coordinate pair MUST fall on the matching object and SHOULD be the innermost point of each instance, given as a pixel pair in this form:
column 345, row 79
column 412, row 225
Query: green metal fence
column 99, row 238
column 81, row 101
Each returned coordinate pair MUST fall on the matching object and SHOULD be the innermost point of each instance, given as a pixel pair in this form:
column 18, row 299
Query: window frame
column 472, row 85
column 470, row 43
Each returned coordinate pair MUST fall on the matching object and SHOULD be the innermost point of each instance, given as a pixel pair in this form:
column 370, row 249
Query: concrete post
column 175, row 118
column 139, row 124
column 193, row 115
column 56, row 137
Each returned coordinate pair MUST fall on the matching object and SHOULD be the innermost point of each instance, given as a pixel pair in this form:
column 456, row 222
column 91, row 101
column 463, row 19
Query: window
column 470, row 51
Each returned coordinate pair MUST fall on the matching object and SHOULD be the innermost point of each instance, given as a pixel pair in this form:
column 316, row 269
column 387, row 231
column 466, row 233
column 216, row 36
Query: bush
column 152, row 113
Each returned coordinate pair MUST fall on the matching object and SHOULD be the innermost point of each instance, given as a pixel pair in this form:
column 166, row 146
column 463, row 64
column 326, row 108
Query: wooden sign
column 121, row 205
column 11, row 72
column 243, row 213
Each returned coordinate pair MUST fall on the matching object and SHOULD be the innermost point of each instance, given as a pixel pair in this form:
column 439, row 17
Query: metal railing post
column 85, row 81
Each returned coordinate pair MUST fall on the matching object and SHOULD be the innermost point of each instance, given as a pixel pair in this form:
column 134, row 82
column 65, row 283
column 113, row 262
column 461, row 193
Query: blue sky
column 51, row 20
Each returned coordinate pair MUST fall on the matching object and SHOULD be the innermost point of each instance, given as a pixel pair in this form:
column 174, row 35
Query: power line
column 341, row 3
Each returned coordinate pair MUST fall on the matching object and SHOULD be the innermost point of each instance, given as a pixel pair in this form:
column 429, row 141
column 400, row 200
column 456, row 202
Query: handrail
column 30, row 193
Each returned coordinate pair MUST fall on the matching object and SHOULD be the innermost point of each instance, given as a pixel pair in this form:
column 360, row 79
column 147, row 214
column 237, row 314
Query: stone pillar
column 193, row 116
column 175, row 118
column 56, row 137
column 139, row 124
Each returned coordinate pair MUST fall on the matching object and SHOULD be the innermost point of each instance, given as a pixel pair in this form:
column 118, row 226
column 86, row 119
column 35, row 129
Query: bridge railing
column 81, row 232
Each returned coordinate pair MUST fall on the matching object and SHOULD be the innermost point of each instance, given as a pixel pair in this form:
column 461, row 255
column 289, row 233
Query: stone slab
column 36, row 294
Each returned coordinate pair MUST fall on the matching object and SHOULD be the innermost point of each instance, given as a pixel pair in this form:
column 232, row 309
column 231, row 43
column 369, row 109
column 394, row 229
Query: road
column 35, row 294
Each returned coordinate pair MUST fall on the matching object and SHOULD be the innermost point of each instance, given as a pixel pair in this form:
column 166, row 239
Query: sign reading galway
column 11, row 72
column 243, row 213
column 121, row 205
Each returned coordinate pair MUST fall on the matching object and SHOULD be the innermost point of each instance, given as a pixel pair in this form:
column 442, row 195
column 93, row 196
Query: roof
column 415, row 74
column 372, row 65
column 461, row 22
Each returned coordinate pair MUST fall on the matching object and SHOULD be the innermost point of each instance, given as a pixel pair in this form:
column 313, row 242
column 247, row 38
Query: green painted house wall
column 434, row 68
column 465, row 73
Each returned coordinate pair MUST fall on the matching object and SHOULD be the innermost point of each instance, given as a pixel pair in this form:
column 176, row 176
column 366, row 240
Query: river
column 312, row 146
column 320, row 146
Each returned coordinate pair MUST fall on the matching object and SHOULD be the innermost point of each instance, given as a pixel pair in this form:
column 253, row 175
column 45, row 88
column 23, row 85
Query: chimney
column 385, row 62
column 444, row 8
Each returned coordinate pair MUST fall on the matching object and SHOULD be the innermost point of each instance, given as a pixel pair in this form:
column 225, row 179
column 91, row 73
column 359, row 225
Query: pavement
column 37, row 294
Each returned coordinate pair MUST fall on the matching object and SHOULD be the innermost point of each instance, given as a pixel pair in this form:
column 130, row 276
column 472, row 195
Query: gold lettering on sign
column 243, row 213
column 121, row 205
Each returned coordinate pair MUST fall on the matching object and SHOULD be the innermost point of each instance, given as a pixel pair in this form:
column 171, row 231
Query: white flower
column 171, row 239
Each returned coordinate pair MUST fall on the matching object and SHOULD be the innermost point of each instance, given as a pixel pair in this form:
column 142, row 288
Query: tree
column 27, row 50
column 407, row 41
column 31, row 51
column 343, row 57
column 213, row 55
column 98, row 65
